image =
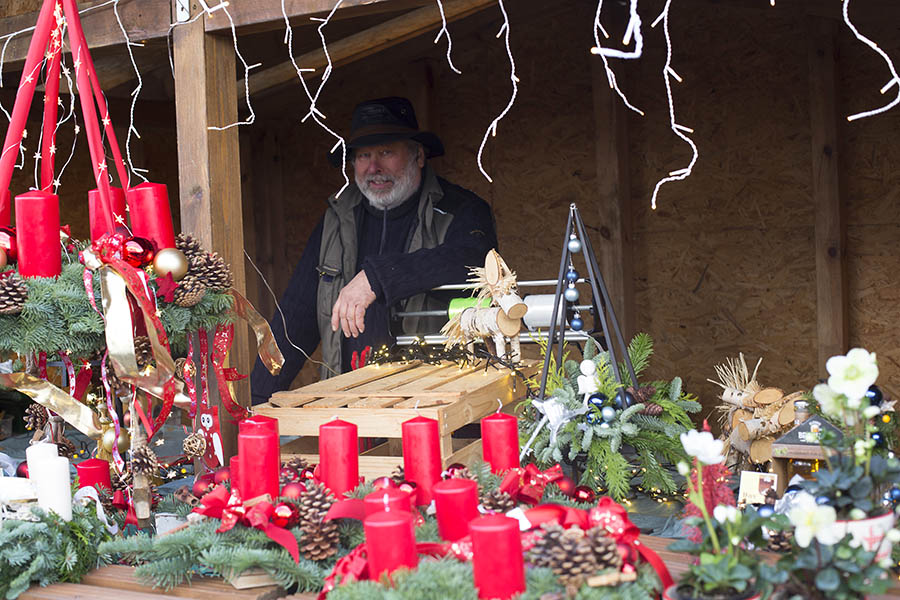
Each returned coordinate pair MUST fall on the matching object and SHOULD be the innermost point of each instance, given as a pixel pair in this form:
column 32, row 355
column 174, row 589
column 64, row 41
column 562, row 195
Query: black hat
column 386, row 120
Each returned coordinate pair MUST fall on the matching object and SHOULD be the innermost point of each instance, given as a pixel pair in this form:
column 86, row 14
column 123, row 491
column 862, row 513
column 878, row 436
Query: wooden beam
column 209, row 170
column 614, row 244
column 365, row 43
column 831, row 282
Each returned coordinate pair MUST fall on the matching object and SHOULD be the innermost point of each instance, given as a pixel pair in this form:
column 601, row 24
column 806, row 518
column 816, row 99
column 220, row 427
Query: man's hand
column 349, row 311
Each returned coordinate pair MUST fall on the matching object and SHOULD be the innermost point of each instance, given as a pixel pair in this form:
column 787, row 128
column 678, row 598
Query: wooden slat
column 376, row 402
column 77, row 591
column 831, row 282
column 122, row 578
column 329, row 402
column 356, row 378
column 437, row 383
column 465, row 455
column 370, row 423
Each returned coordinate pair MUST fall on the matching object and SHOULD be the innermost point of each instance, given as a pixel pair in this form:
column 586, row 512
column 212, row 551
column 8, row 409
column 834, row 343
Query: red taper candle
column 5, row 208
column 339, row 456
column 500, row 441
column 390, row 542
column 260, row 457
column 456, row 501
column 234, row 468
column 96, row 208
column 94, row 472
column 387, row 499
column 422, row 455
column 37, row 232
column 151, row 216
column 497, row 565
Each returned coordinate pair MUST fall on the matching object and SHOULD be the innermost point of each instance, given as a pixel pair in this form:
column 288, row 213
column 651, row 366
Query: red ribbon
column 221, row 344
column 527, row 485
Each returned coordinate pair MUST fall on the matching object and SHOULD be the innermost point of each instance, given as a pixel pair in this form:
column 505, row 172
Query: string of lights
column 634, row 25
column 679, row 130
column 446, row 32
column 895, row 79
column 492, row 128
column 135, row 93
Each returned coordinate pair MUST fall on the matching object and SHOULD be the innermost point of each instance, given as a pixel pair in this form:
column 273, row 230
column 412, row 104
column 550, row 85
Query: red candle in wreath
column 151, row 215
column 96, row 208
column 339, row 456
column 422, row 455
column 389, row 499
column 260, row 456
column 456, row 501
column 500, row 441
column 390, row 542
column 37, row 232
column 94, row 472
column 497, row 565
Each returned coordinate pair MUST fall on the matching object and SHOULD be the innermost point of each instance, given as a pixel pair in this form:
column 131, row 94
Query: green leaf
column 828, row 580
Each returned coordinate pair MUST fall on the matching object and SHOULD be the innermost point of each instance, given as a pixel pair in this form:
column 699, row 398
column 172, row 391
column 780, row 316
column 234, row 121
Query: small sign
column 754, row 486
column 809, row 432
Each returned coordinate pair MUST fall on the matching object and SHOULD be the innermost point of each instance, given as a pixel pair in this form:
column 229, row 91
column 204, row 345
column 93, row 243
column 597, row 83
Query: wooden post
column 613, row 246
column 209, row 169
column 831, row 282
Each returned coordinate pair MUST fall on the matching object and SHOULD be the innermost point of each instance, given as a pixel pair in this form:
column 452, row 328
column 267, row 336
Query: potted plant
column 726, row 567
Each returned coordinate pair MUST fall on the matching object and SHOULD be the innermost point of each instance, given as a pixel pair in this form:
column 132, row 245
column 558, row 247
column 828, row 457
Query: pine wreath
column 13, row 294
column 320, row 538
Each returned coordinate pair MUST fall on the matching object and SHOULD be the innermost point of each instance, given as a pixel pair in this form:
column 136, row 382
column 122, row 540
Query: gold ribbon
column 267, row 348
column 46, row 394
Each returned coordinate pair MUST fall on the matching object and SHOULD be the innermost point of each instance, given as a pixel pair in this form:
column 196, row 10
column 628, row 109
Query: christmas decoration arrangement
column 589, row 418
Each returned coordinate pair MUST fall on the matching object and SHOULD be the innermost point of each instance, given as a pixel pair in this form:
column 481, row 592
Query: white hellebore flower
column 724, row 513
column 703, row 446
column 811, row 520
column 683, row 468
column 872, row 411
column 828, row 399
column 852, row 374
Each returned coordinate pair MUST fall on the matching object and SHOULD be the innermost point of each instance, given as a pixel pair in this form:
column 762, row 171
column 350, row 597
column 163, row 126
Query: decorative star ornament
column 167, row 287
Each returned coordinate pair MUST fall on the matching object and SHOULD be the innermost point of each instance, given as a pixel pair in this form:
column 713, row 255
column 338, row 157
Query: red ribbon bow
column 527, row 485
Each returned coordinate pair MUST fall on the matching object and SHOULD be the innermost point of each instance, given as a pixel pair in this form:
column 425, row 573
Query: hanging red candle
column 390, row 542
column 500, row 441
column 96, row 208
column 497, row 565
column 259, row 451
column 422, row 455
column 37, row 229
column 339, row 456
column 456, row 501
column 387, row 499
column 94, row 472
column 5, row 207
column 151, row 215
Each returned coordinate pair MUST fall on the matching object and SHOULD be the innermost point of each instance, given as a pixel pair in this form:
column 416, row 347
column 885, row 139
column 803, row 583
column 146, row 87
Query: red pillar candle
column 96, row 208
column 390, row 499
column 37, row 233
column 390, row 542
column 497, row 565
column 422, row 456
column 5, row 208
column 151, row 215
column 456, row 501
column 500, row 441
column 339, row 456
column 260, row 456
column 234, row 468
column 94, row 472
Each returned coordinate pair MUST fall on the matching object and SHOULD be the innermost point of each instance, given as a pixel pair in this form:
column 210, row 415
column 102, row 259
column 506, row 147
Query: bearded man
column 397, row 232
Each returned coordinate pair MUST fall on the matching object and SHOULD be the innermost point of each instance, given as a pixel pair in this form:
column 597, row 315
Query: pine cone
column 65, row 447
column 179, row 369
column 652, row 409
column 190, row 291
column 398, row 475
column 188, row 244
column 642, row 394
column 35, row 417
column 780, row 541
column 143, row 352
column 464, row 473
column 315, row 502
column 319, row 539
column 606, row 552
column 194, row 445
column 121, row 482
column 211, row 270
column 143, row 460
column 498, row 501
column 13, row 294
column 116, row 385
column 573, row 554
column 296, row 463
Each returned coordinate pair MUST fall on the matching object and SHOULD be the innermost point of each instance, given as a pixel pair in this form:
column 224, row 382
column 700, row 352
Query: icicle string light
column 445, row 32
column 135, row 93
column 602, row 52
column 492, row 128
column 679, row 130
column 314, row 112
column 895, row 79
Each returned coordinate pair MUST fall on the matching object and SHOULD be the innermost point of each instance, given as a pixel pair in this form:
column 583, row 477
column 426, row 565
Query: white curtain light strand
column 492, row 128
column 314, row 112
column 135, row 93
column 895, row 80
column 73, row 114
column 602, row 52
column 446, row 32
column 680, row 130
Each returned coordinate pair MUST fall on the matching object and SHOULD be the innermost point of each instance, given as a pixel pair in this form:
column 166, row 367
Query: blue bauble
column 895, row 494
column 591, row 417
column 874, row 395
column 623, row 398
column 608, row 413
column 571, row 275
column 765, row 511
column 576, row 323
column 571, row 294
column 823, row 500
column 574, row 244
column 878, row 438
column 597, row 399
column 793, row 488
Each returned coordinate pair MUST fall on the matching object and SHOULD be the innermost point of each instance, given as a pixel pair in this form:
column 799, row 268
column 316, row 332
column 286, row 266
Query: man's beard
column 404, row 186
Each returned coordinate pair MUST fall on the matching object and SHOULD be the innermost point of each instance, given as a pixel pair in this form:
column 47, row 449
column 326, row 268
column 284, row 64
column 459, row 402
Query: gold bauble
column 109, row 437
column 170, row 260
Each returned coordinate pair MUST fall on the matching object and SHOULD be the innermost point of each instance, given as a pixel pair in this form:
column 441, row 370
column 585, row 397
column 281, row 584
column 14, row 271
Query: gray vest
column 338, row 254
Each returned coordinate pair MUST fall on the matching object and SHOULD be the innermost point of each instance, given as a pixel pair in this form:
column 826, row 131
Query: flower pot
column 870, row 533
column 680, row 592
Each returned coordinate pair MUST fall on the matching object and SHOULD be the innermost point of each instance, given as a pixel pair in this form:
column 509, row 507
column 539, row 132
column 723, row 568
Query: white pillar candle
column 35, row 454
column 54, row 486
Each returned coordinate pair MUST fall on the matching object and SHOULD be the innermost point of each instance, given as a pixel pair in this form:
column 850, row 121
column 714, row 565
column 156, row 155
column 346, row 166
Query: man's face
column 388, row 174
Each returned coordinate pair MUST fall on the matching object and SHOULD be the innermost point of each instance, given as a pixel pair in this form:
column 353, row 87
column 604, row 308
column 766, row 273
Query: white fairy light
column 634, row 27
column 679, row 130
column 446, row 32
column 314, row 112
column 134, row 97
column 895, row 79
column 492, row 128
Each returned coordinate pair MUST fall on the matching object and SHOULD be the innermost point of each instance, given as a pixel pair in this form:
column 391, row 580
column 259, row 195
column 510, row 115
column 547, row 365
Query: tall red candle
column 5, row 208
column 387, row 500
column 456, row 501
column 500, row 441
column 390, row 542
column 37, row 230
column 260, row 457
column 94, row 472
column 96, row 208
column 151, row 215
column 339, row 456
column 497, row 564
column 234, row 469
column 422, row 455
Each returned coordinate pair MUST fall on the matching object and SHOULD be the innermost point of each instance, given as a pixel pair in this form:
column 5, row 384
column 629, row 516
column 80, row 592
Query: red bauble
column 583, row 493
column 409, row 487
column 565, row 485
column 8, row 243
column 452, row 471
column 138, row 252
column 222, row 475
column 293, row 490
column 627, row 554
column 285, row 515
column 383, row 483
column 307, row 474
column 287, row 475
column 22, row 469
column 203, row 485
